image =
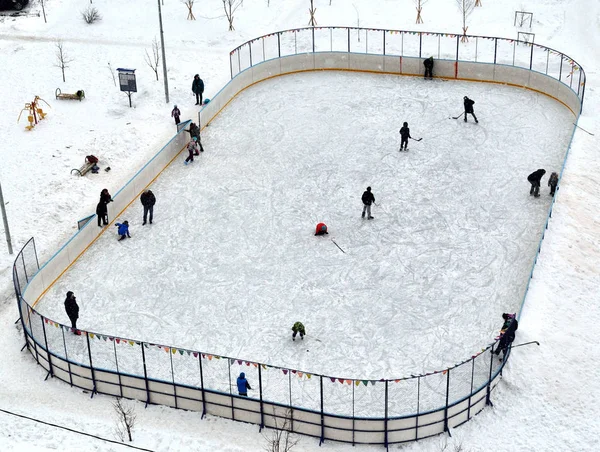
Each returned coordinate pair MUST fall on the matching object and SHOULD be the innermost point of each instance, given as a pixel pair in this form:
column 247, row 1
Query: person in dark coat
column 198, row 89
column 243, row 385
column 192, row 148
column 298, row 328
column 194, row 131
column 428, row 63
column 404, row 136
column 72, row 310
column 552, row 183
column 321, row 229
column 105, row 196
column 102, row 207
column 535, row 180
column 175, row 113
column 123, row 230
column 468, row 103
column 509, row 328
column 148, row 200
column 367, row 199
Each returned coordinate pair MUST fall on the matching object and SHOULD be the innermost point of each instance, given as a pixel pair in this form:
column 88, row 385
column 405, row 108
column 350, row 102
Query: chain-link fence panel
column 54, row 337
column 323, row 39
column 75, row 342
column 215, row 371
column 338, row 397
column 304, row 41
column 185, row 368
column 306, row 391
column 339, row 40
column 481, row 370
column 369, row 399
column 374, row 42
column 158, row 362
column 403, row 397
column 358, row 43
column 129, row 357
column 276, row 385
column 250, row 371
column 505, row 52
column 103, row 352
column 432, row 394
column 460, row 382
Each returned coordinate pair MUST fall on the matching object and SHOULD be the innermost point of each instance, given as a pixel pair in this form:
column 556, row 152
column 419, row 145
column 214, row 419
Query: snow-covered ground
column 549, row 395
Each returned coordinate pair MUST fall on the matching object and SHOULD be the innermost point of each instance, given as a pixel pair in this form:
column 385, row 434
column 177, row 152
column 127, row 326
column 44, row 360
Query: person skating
column 535, row 180
column 367, row 199
column 428, row 63
column 72, row 310
column 243, row 385
column 552, row 183
column 198, row 88
column 192, row 148
column 123, row 230
column 148, row 200
column 194, row 131
column 468, row 103
column 321, row 229
column 404, row 136
column 509, row 328
column 175, row 113
column 298, row 328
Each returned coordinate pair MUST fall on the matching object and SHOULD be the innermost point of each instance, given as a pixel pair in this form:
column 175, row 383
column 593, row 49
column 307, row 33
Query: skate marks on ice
column 232, row 260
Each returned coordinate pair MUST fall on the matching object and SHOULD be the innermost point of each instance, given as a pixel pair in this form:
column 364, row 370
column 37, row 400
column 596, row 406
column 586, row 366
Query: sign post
column 127, row 82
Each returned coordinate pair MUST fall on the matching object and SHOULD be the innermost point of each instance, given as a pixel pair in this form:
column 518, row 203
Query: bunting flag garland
column 357, row 382
column 196, row 354
column 285, row 371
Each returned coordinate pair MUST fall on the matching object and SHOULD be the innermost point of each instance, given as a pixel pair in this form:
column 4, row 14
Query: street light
column 162, row 45
column 6, row 230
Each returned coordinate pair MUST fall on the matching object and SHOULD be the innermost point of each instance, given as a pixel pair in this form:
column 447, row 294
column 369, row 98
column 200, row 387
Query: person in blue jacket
column 243, row 385
column 123, row 230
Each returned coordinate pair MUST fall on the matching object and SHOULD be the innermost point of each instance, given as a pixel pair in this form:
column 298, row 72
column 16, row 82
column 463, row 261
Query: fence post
column 239, row 68
column 117, row 366
column 87, row 338
column 353, row 418
column 250, row 51
column 230, row 65
column 418, row 406
column 24, row 268
column 279, row 44
column 202, row 386
column 322, row 440
column 145, row 374
column 21, row 312
column 471, row 391
column 495, row 49
column 421, row 45
column 531, row 58
column 50, row 372
column 385, row 423
column 230, row 393
column 457, row 44
column 383, row 33
column 290, row 389
column 173, row 377
column 348, row 40
column 66, row 355
column 560, row 69
column 260, row 394
column 313, row 38
column 489, row 384
column 446, row 429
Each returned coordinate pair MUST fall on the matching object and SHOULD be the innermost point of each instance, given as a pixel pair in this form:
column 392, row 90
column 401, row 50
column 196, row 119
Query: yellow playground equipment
column 35, row 112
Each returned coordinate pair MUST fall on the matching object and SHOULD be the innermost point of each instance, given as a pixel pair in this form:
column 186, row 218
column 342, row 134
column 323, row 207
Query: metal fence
column 381, row 411
column 411, row 44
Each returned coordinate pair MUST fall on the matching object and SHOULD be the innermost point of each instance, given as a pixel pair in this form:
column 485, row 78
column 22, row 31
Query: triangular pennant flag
column 397, row 381
column 366, row 382
column 231, row 361
column 181, row 352
column 300, row 374
column 332, row 379
column 294, row 371
column 308, row 375
column 217, row 357
column 167, row 349
column 210, row 357
column 174, row 351
column 444, row 372
column 348, row 382
column 131, row 342
column 255, row 364
column 240, row 362
column 247, row 363
column 118, row 341
column 56, row 325
column 195, row 354
column 357, row 382
column 264, row 366
column 373, row 382
column 92, row 335
column 285, row 371
column 341, row 380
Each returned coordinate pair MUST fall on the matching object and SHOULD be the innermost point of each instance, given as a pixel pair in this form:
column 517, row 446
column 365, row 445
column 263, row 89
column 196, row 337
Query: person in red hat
column 321, row 229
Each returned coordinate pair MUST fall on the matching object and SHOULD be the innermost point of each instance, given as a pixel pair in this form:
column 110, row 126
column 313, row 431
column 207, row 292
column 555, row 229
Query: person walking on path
column 243, row 385
column 198, row 88
column 535, row 180
column 367, row 199
column 123, row 230
column 404, row 136
column 298, row 328
column 148, row 200
column 468, row 103
column 428, row 63
column 175, row 113
column 552, row 183
column 192, row 148
column 72, row 310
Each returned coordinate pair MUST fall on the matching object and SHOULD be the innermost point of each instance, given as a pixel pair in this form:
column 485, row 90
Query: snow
column 549, row 394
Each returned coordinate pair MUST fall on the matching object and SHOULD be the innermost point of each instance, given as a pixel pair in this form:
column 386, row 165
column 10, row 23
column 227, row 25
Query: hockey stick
column 416, row 139
column 583, row 129
column 526, row 343
column 456, row 117
column 338, row 246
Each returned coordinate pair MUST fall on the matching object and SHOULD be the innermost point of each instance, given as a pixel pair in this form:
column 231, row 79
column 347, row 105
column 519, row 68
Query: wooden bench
column 77, row 96
column 87, row 166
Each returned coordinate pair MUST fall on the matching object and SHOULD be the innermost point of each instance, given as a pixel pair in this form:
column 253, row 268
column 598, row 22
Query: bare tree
column 281, row 438
column 466, row 8
column 190, row 5
column 312, row 10
column 153, row 60
column 125, row 420
column 62, row 59
column 419, row 6
column 230, row 7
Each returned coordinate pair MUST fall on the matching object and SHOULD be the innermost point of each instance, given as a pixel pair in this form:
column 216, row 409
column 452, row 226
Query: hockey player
column 404, row 136
column 298, row 328
column 175, row 113
column 468, row 103
column 535, row 179
column 508, row 329
column 321, row 229
column 552, row 183
column 367, row 199
column 192, row 148
column 123, row 230
column 428, row 63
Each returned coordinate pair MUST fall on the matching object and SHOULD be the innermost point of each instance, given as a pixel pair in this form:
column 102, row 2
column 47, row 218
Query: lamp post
column 6, row 230
column 162, row 45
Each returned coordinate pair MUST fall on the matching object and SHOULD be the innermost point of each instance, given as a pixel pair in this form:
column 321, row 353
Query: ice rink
column 231, row 261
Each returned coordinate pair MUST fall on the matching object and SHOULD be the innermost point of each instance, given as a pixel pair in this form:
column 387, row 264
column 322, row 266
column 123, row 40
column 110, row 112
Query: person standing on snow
column 404, row 136
column 468, row 104
column 552, row 183
column 123, row 230
column 243, row 385
column 194, row 131
column 198, row 89
column 509, row 328
column 148, row 200
column 428, row 63
column 192, row 148
column 367, row 199
column 175, row 113
column 535, row 180
column 72, row 310
column 298, row 328
column 102, row 207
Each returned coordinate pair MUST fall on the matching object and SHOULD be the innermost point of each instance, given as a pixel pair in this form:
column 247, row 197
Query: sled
column 77, row 96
